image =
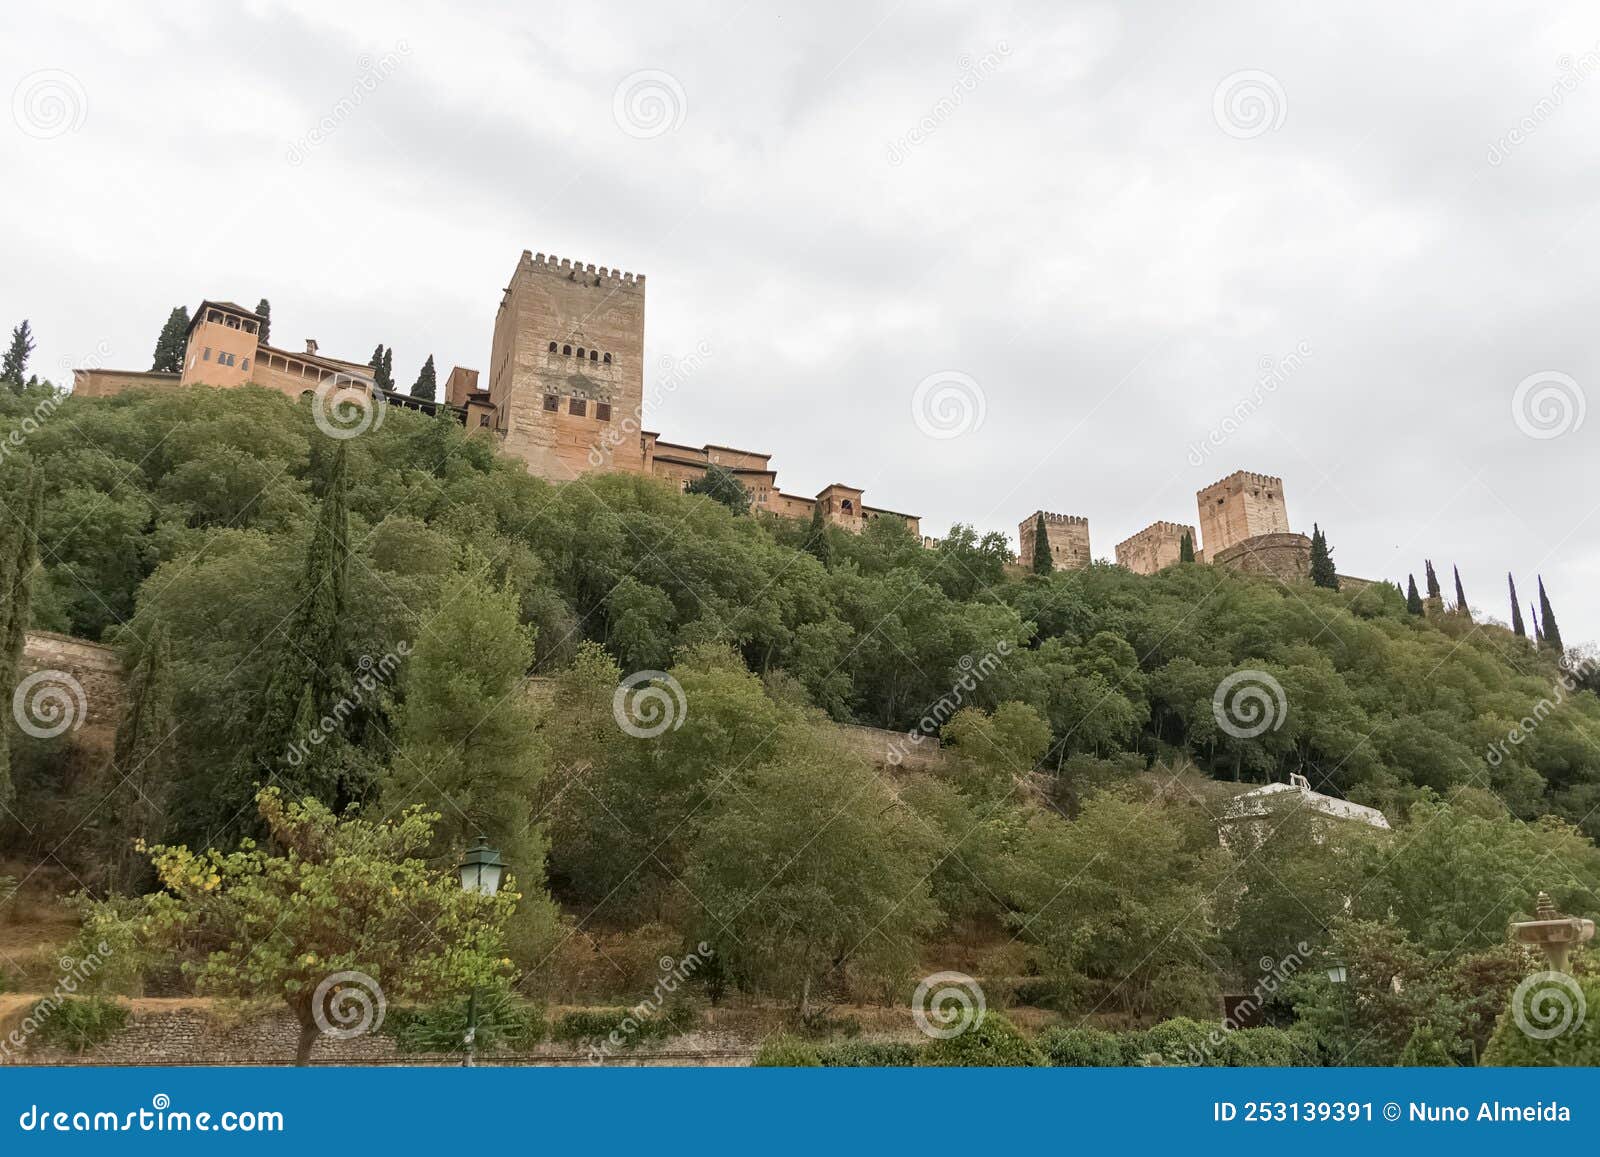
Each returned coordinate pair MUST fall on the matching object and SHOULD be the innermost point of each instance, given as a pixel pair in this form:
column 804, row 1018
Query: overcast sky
column 1092, row 226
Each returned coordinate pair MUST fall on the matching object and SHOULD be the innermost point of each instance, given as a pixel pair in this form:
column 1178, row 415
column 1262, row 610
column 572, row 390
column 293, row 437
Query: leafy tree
column 1578, row 1046
column 343, row 912
column 808, row 867
column 1323, row 573
column 817, row 536
column 991, row 1042
column 264, row 308
column 19, row 562
column 1461, row 595
column 1517, row 627
column 1413, row 599
column 1547, row 621
column 1186, row 548
column 722, row 485
column 427, row 384
column 1043, row 563
column 14, row 365
column 172, row 342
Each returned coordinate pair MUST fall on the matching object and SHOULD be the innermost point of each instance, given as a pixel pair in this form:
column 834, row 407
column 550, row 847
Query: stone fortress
column 566, row 396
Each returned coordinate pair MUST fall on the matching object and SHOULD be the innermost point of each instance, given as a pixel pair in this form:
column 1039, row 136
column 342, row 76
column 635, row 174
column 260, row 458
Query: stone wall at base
column 91, row 689
column 1283, row 556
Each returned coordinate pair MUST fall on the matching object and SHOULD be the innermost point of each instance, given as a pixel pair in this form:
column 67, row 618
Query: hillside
column 264, row 579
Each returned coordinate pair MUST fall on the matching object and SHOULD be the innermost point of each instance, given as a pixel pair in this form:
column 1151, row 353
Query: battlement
column 1067, row 534
column 1161, row 527
column 586, row 274
column 1059, row 519
column 1246, row 478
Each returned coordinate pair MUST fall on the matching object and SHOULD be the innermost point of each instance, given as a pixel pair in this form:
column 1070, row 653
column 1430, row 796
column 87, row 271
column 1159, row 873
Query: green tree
column 382, row 366
column 388, row 368
column 1413, row 599
column 817, row 536
column 427, row 383
column 1186, row 548
column 1461, row 595
column 1435, row 595
column 1043, row 563
column 132, row 806
column 264, row 308
column 1517, row 626
column 19, row 562
column 172, row 342
column 1547, row 621
column 14, row 365
column 721, row 485
column 345, row 914
column 808, row 866
column 1323, row 573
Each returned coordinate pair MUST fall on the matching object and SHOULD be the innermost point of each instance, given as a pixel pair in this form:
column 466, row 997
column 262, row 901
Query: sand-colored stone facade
column 1240, row 506
column 1156, row 547
column 1067, row 534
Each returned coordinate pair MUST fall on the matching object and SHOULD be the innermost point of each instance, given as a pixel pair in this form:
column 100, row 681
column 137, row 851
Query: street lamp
column 481, row 872
column 1340, row 975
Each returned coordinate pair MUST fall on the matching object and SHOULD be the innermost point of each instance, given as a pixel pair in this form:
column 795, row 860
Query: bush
column 1267, row 1047
column 993, row 1042
column 1580, row 1046
column 868, row 1055
column 596, row 1026
column 77, row 1023
column 503, row 1022
column 786, row 1052
column 1179, row 1041
column 1082, row 1047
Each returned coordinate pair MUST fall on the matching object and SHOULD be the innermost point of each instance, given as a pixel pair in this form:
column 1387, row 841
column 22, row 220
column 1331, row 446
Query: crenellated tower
column 566, row 371
column 1242, row 505
column 1068, row 535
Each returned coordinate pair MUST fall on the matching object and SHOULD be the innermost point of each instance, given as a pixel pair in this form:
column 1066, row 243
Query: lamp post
column 481, row 872
column 1339, row 974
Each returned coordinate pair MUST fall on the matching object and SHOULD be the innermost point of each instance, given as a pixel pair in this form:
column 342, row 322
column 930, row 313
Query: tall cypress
column 1413, row 599
column 1433, row 582
column 1043, row 562
column 1186, row 548
column 141, row 768
column 19, row 559
column 1516, row 609
column 817, row 544
column 381, row 359
column 387, row 381
column 170, row 345
column 1538, row 635
column 1461, row 595
column 427, row 386
column 1547, row 621
column 14, row 365
column 1323, row 573
column 264, row 308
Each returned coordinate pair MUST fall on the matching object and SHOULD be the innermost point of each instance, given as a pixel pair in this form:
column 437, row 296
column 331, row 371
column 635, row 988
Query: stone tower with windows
column 1242, row 505
column 566, row 372
column 1068, row 535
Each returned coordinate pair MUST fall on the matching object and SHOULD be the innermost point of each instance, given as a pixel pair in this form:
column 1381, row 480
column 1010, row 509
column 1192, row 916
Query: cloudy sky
column 1124, row 250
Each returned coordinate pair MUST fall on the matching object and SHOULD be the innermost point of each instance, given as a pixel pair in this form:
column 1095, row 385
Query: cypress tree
column 14, row 365
column 141, row 768
column 427, row 386
column 1538, row 635
column 1323, row 573
column 1516, row 610
column 1433, row 582
column 1413, row 600
column 1043, row 563
column 170, row 345
column 388, row 369
column 1547, row 621
column 817, row 544
column 1186, row 548
column 19, row 558
column 382, row 359
column 264, row 308
column 1461, row 595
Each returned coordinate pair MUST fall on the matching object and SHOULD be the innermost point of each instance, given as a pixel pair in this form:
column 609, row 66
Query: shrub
column 1082, row 1047
column 1425, row 1050
column 993, row 1041
column 1579, row 1046
column 786, row 1052
column 629, row 1026
column 1179, row 1041
column 868, row 1055
column 503, row 1022
column 77, row 1023
column 1266, row 1047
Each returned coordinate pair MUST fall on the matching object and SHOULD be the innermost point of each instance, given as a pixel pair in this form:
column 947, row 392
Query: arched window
column 593, row 356
column 566, row 349
column 580, row 351
column 846, row 507
column 608, row 359
column 552, row 347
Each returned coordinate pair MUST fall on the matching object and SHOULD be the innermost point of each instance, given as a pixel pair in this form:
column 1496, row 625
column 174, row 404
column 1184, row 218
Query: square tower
column 1068, row 535
column 1154, row 548
column 221, row 346
column 566, row 373
column 1240, row 506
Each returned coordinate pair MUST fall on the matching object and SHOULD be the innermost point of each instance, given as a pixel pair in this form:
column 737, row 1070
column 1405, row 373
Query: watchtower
column 1240, row 506
column 1067, row 534
column 566, row 373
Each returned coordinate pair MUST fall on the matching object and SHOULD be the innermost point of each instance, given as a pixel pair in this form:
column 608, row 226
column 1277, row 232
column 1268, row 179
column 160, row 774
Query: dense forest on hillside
column 258, row 576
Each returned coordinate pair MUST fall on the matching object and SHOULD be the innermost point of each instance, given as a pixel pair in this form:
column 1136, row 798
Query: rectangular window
column 552, row 403
column 246, row 364
column 483, row 419
column 602, row 410
column 577, row 407
column 207, row 355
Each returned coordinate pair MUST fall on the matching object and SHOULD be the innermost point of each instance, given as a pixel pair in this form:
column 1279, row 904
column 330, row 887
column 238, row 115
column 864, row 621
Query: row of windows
column 594, row 355
column 224, row 358
column 578, row 407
